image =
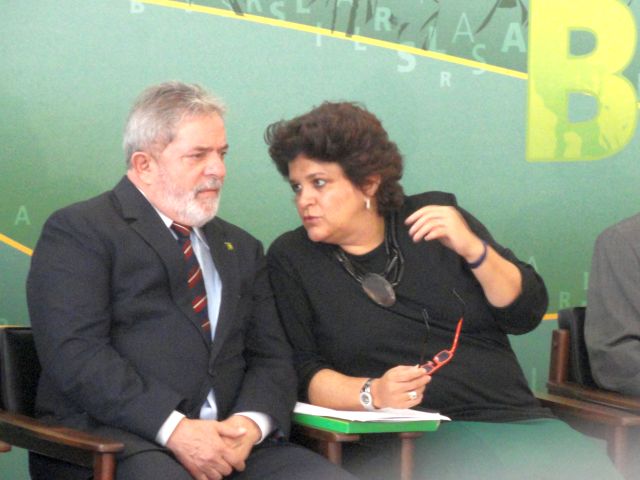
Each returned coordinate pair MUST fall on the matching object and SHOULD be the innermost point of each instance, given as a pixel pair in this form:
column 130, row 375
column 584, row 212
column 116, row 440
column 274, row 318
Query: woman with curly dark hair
column 406, row 301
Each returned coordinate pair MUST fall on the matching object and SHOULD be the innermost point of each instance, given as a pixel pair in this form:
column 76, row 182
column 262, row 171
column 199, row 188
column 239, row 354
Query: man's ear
column 371, row 185
column 143, row 166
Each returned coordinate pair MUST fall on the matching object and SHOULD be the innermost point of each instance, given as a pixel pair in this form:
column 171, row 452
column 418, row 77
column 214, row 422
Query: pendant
column 378, row 289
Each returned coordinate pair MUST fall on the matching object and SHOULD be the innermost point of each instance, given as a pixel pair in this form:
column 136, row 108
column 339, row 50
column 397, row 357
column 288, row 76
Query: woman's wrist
column 375, row 393
column 478, row 260
column 366, row 396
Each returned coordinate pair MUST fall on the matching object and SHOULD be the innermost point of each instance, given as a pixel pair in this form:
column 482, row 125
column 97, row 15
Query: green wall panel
column 70, row 70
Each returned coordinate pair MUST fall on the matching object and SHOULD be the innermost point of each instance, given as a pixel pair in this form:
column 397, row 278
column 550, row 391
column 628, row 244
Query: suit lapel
column 148, row 224
column 226, row 261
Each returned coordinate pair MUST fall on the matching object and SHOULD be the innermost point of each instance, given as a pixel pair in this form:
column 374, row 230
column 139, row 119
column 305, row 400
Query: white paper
column 382, row 415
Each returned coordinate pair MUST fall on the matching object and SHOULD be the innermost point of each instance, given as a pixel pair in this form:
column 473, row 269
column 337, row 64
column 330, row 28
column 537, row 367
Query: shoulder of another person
column 624, row 234
column 291, row 240
column 431, row 198
column 627, row 228
column 295, row 247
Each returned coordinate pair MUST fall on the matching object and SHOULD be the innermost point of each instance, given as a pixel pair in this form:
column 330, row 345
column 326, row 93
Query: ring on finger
column 413, row 395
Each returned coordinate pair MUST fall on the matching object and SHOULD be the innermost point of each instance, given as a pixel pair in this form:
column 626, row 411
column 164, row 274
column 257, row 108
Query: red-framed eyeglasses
column 443, row 357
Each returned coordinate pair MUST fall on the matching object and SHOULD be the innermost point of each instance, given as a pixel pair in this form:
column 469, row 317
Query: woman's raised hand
column 445, row 224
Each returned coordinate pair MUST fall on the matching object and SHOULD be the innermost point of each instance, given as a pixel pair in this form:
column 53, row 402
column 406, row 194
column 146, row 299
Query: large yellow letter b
column 555, row 74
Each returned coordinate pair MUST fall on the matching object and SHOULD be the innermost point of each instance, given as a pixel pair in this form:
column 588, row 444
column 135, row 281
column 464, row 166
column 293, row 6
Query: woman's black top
column 333, row 324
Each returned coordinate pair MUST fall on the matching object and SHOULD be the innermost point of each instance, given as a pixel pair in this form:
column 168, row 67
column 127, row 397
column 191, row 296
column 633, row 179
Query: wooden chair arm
column 562, row 406
column 559, row 361
column 66, row 444
column 600, row 396
column 330, row 444
column 326, row 435
column 559, row 383
column 325, row 442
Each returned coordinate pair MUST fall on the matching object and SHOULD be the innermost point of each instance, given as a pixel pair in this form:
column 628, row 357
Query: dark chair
column 574, row 396
column 329, row 444
column 19, row 372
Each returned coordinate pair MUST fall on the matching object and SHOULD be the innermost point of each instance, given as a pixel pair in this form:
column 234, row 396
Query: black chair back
column 19, row 370
column 572, row 319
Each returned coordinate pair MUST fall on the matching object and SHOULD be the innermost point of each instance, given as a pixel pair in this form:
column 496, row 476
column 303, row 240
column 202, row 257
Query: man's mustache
column 213, row 184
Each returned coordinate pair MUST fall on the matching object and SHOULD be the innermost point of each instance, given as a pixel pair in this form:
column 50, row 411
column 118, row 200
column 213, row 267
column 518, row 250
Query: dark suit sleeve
column 269, row 383
column 69, row 295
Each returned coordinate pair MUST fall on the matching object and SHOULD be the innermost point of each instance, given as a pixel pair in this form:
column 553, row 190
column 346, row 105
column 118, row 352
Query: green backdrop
column 457, row 109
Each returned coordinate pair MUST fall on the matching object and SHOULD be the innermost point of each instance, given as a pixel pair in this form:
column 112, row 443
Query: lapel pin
column 229, row 245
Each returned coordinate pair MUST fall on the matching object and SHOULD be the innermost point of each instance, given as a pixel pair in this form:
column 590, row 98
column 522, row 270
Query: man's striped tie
column 195, row 280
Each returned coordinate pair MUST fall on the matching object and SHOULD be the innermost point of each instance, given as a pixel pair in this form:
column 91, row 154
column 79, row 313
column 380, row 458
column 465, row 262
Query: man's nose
column 215, row 166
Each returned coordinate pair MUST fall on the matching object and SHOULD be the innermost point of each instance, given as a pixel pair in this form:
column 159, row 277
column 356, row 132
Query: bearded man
column 154, row 321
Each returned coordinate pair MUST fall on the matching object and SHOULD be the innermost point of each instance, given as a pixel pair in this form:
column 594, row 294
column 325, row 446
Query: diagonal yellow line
column 328, row 33
column 16, row 245
column 340, row 35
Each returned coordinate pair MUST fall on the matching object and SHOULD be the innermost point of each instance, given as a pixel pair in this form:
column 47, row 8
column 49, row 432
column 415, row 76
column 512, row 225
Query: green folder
column 348, row 426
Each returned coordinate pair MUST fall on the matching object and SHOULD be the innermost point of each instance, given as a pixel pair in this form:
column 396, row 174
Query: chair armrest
column 596, row 395
column 325, row 435
column 67, row 444
column 564, row 406
column 559, row 361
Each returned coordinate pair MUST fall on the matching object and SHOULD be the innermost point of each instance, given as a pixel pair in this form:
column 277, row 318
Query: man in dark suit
column 154, row 321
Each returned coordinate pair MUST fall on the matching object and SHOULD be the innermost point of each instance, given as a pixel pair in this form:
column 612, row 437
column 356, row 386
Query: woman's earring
column 367, row 203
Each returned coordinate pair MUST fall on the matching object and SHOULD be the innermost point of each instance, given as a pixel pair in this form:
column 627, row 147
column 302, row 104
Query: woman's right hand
column 400, row 387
